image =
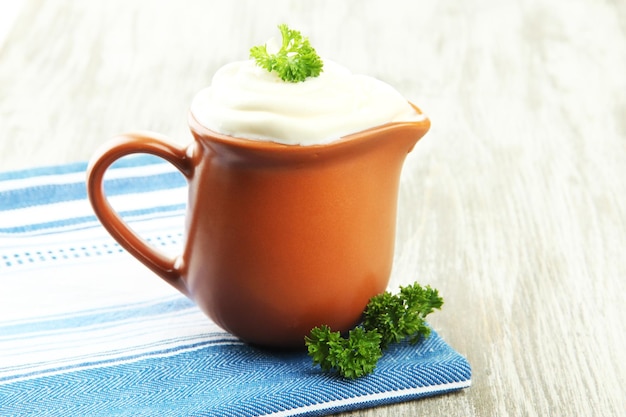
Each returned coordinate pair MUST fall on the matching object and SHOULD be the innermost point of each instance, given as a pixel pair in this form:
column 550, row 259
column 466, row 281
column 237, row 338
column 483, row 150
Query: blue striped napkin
column 86, row 330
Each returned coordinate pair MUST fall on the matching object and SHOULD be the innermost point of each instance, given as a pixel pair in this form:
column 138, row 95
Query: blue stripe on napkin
column 185, row 365
column 57, row 193
column 91, row 318
column 126, row 162
column 90, row 221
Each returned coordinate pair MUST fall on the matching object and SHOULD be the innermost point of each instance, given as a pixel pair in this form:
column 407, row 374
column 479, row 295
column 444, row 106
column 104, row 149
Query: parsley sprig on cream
column 387, row 319
column 295, row 61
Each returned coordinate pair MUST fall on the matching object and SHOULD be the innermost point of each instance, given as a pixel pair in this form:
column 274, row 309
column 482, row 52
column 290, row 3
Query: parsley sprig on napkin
column 387, row 319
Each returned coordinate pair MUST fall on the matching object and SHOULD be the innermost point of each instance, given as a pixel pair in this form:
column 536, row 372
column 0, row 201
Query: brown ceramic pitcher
column 279, row 238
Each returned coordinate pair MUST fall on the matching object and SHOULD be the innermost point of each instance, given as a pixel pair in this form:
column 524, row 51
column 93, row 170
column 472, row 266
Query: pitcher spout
column 412, row 131
column 396, row 137
column 421, row 126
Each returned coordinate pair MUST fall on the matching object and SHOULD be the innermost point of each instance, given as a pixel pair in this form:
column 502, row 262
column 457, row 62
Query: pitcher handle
column 166, row 267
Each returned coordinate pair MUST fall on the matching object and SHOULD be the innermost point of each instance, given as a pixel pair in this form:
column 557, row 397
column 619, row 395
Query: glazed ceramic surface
column 279, row 238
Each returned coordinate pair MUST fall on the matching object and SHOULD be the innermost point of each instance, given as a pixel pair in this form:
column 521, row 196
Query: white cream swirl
column 247, row 101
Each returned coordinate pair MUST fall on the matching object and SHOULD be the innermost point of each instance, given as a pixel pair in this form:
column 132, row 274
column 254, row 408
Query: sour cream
column 247, row 101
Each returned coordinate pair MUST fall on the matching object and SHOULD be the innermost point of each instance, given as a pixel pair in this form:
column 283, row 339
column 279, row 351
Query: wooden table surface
column 513, row 205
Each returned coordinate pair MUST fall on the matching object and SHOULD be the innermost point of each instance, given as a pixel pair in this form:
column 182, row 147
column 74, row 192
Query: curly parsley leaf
column 387, row 319
column 295, row 61
column 352, row 357
column 401, row 316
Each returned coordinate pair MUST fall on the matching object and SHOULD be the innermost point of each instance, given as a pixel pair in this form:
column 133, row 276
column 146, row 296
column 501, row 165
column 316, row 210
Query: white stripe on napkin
column 64, row 211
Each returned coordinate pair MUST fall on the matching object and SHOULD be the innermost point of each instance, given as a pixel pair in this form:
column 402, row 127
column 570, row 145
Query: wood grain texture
column 514, row 205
